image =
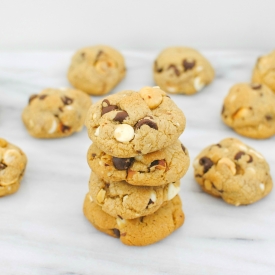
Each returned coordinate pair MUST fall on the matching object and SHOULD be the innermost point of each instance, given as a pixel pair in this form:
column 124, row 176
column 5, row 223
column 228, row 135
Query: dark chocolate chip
column 183, row 148
column 65, row 129
column 93, row 155
column 41, row 97
column 218, row 145
column 268, row 117
column 138, row 151
column 207, row 163
column 147, row 122
column 239, row 155
column 188, row 65
column 150, row 202
column 107, row 107
column 116, row 232
column 174, row 67
column 2, row 166
column 198, row 176
column 97, row 56
column 120, row 116
column 159, row 70
column 154, row 163
column 223, row 109
column 120, row 217
column 250, row 159
column 122, row 163
column 141, row 219
column 32, row 97
column 256, row 86
column 60, row 109
column 67, row 100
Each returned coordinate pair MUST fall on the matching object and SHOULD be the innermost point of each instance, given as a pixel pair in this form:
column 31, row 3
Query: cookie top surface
column 140, row 231
column 13, row 162
column 250, row 110
column 129, row 201
column 264, row 71
column 153, row 169
column 97, row 69
column 233, row 171
column 182, row 70
column 56, row 113
column 130, row 123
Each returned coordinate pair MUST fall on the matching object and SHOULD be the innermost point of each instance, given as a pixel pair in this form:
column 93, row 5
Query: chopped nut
column 172, row 191
column 97, row 131
column 240, row 113
column 151, row 96
column 101, row 195
column 230, row 164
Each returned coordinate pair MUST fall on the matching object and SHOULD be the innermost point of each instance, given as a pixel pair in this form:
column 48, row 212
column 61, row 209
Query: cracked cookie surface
column 13, row 162
column 233, row 171
column 130, row 123
column 140, row 231
column 96, row 70
column 129, row 201
column 180, row 70
column 154, row 169
column 264, row 71
column 250, row 110
column 55, row 113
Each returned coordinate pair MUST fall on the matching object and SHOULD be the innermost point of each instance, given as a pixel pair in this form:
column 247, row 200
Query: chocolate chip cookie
column 181, row 70
column 153, row 169
column 55, row 113
column 129, row 201
column 233, row 171
column 13, row 162
column 96, row 70
column 131, row 123
column 264, row 71
column 250, row 110
column 140, row 231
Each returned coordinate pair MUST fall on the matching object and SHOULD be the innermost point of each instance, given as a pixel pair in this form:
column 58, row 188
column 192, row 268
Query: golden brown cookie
column 13, row 162
column 140, row 231
column 96, row 70
column 55, row 113
column 250, row 110
column 131, row 123
column 233, row 171
column 154, row 169
column 129, row 201
column 181, row 70
column 264, row 71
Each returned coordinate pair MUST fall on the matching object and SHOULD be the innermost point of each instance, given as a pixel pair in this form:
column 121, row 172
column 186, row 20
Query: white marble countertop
column 42, row 228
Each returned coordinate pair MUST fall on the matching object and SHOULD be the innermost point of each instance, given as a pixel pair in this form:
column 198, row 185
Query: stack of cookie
column 137, row 162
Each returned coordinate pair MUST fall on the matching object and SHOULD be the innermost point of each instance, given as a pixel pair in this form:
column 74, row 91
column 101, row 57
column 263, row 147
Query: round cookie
column 96, row 70
column 129, row 201
column 13, row 162
column 154, row 169
column 250, row 110
column 264, row 71
column 181, row 70
column 233, row 171
column 140, row 231
column 131, row 123
column 55, row 113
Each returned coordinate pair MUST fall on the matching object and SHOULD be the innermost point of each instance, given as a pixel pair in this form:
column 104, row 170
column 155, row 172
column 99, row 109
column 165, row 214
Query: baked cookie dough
column 12, row 167
column 233, row 171
column 129, row 201
column 96, row 70
column 131, row 123
column 154, row 169
column 55, row 113
column 140, row 231
column 250, row 110
column 180, row 70
column 264, row 71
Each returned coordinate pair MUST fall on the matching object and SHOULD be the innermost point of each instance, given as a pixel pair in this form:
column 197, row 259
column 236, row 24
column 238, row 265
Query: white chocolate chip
column 10, row 156
column 153, row 196
column 94, row 116
column 124, row 133
column 125, row 198
column 156, row 87
column 229, row 163
column 171, row 89
column 69, row 107
column 242, row 147
column 199, row 68
column 101, row 195
column 198, row 84
column 63, row 89
column 251, row 169
column 90, row 197
column 262, row 186
column 232, row 98
column 53, row 127
column 101, row 163
column 172, row 191
column 97, row 131
column 256, row 154
column 120, row 222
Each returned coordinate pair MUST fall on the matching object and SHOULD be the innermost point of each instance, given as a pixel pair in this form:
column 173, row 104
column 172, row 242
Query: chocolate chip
column 60, row 109
column 154, row 163
column 256, row 86
column 141, row 219
column 2, row 166
column 97, row 56
column 67, row 100
column 239, row 155
column 159, row 70
column 148, row 122
column 150, row 202
column 41, row 97
column 32, row 97
column 198, row 176
column 250, row 159
column 120, row 116
column 107, row 107
column 116, row 232
column 188, row 65
column 218, row 145
column 268, row 117
column 122, row 163
column 65, row 129
column 120, row 217
column 93, row 155
column 83, row 55
column 223, row 109
column 174, row 67
column 207, row 163
column 183, row 148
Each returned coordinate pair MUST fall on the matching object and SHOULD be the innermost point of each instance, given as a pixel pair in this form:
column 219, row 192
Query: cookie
column 12, row 167
column 264, row 71
column 250, row 110
column 96, row 70
column 129, row 201
column 55, row 113
column 181, row 70
column 131, row 123
column 140, row 231
column 233, row 171
column 154, row 169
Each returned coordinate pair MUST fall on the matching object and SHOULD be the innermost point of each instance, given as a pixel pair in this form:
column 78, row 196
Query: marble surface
column 42, row 228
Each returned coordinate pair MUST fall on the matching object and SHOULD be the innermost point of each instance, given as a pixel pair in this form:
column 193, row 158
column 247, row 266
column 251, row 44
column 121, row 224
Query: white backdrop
column 140, row 24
